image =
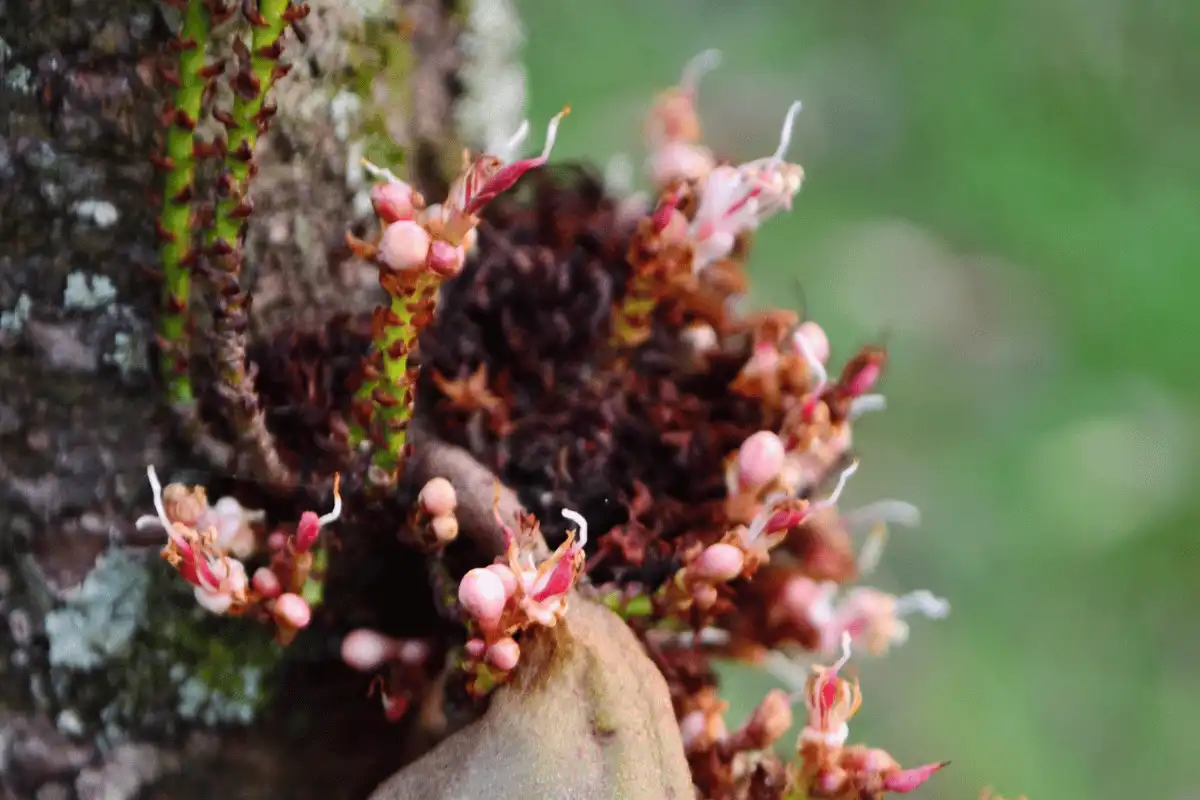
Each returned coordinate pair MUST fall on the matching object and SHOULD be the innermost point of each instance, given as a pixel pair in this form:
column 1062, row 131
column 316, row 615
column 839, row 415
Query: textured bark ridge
column 586, row 717
column 98, row 642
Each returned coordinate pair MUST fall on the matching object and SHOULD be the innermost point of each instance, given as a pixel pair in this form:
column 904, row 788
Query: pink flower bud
column 476, row 648
column 307, row 531
column 811, row 337
column 393, row 201
column 277, row 540
column 438, row 497
column 404, row 245
column 446, row 259
column 506, row 577
column 909, row 779
column 292, row 611
column 366, row 650
column 719, row 563
column 760, row 459
column 504, row 654
column 444, row 528
column 266, row 583
column 481, row 593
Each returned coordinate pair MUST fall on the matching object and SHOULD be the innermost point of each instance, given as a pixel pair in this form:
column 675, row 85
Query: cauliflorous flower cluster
column 515, row 593
column 588, row 351
column 209, row 546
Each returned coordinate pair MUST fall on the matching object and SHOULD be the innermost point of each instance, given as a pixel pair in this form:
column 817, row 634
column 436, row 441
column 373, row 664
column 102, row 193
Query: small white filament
column 700, row 65
column 832, row 499
column 923, row 602
column 845, row 657
column 891, row 512
column 581, row 523
column 866, row 404
column 812, row 362
column 785, row 135
column 379, row 173
column 552, row 132
column 515, row 141
column 333, row 515
column 156, row 487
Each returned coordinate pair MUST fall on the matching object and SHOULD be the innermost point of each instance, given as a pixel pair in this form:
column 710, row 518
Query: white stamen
column 552, row 132
column 872, row 551
column 785, row 135
column 579, row 521
column 380, row 173
column 157, row 489
column 333, row 515
column 832, row 499
column 892, row 512
column 866, row 404
column 812, row 362
column 845, row 657
column 923, row 602
column 513, row 145
column 700, row 65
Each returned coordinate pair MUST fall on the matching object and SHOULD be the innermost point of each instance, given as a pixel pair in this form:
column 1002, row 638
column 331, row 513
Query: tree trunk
column 102, row 645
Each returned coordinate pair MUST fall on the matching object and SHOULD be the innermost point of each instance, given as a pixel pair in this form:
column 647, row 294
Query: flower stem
column 258, row 69
column 175, row 218
column 384, row 404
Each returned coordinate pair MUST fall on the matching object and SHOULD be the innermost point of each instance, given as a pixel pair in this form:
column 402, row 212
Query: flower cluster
column 434, row 522
column 691, row 247
column 828, row 767
column 587, row 353
column 209, row 546
column 515, row 593
column 420, row 247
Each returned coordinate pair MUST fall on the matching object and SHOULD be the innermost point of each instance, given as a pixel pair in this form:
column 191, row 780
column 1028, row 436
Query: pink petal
column 909, row 779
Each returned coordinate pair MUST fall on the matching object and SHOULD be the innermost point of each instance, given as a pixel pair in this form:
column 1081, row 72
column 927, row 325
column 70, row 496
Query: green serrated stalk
column 175, row 218
column 256, row 72
column 386, row 397
column 243, row 133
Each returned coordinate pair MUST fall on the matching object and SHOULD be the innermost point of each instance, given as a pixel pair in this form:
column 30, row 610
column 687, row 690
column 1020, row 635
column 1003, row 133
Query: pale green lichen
column 129, row 649
column 14, row 321
column 88, row 292
column 98, row 619
column 129, row 354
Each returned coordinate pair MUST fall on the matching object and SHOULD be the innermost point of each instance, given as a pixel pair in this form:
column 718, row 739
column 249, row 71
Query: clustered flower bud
column 831, row 770
column 420, row 247
column 207, row 546
column 513, row 594
column 687, row 250
column 435, row 514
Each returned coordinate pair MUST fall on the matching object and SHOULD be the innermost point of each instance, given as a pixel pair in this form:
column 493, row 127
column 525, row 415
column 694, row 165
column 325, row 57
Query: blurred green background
column 1009, row 192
